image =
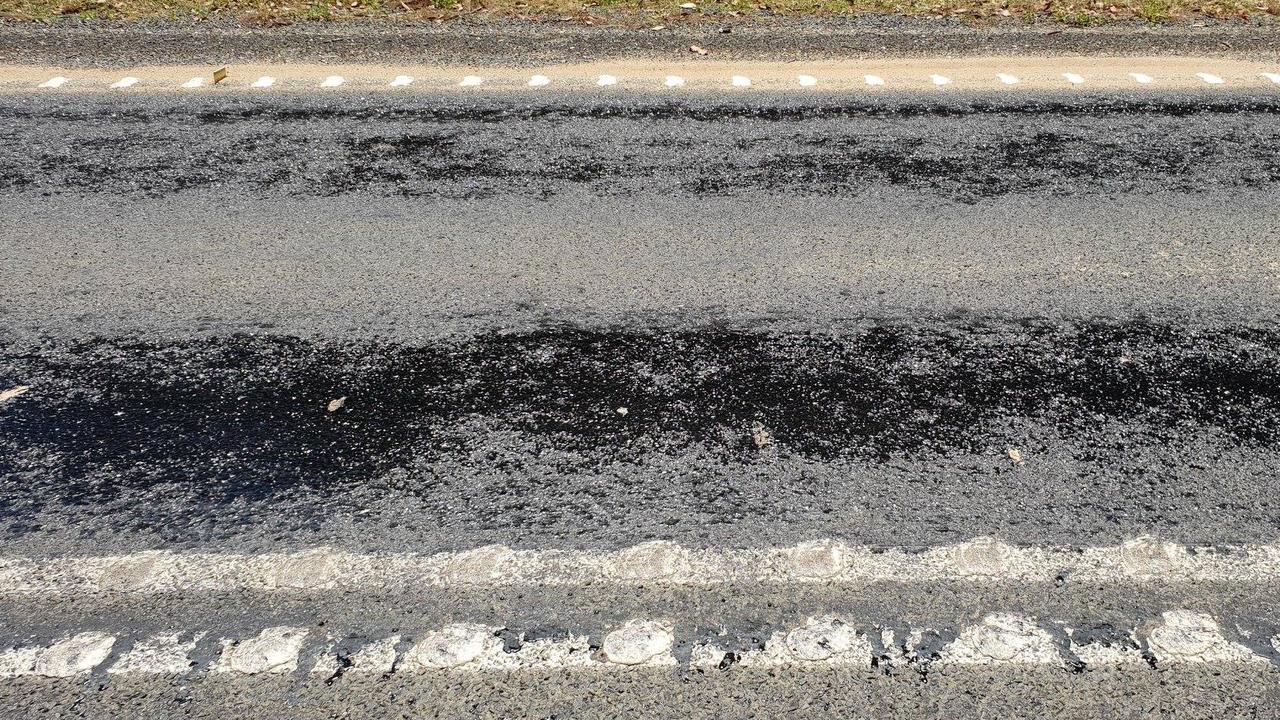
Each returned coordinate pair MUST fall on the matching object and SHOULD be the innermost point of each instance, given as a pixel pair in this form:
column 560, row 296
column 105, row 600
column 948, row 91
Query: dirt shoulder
column 641, row 13
column 72, row 44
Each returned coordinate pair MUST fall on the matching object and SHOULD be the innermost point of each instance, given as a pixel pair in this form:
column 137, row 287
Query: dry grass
column 637, row 13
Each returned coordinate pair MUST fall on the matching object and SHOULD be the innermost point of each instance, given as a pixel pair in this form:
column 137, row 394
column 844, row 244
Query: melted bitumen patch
column 449, row 147
column 246, row 418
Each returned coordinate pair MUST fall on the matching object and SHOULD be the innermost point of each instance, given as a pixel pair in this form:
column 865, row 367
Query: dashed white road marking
column 194, row 82
column 1273, row 77
column 1210, row 78
column 54, row 82
column 1176, row 638
column 1141, row 78
column 265, row 81
column 332, row 81
column 539, row 81
column 1073, row 78
column 401, row 81
column 806, row 80
column 740, row 81
column 1007, row 79
column 940, row 80
column 606, row 80
column 470, row 81
column 873, row 80
column 125, row 82
column 673, row 81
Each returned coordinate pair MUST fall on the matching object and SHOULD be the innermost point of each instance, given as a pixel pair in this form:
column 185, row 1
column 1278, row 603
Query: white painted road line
column 1176, row 638
column 673, row 81
column 940, row 80
column 740, row 81
column 806, row 80
column 1210, row 78
column 54, row 82
column 873, row 80
column 1007, row 79
column 265, row 81
column 606, row 80
column 539, row 81
column 1273, row 77
column 1073, row 78
column 470, row 81
column 401, row 81
column 979, row 561
column 124, row 82
column 194, row 82
column 332, row 81
column 1141, row 78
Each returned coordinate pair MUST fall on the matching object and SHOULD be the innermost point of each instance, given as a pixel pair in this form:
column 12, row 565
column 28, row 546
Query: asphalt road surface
column 954, row 404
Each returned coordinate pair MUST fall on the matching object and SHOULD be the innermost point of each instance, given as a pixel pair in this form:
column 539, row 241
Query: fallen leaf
column 760, row 435
column 13, row 392
column 1015, row 455
column 336, row 405
column 219, row 75
column 698, row 50
column 622, row 411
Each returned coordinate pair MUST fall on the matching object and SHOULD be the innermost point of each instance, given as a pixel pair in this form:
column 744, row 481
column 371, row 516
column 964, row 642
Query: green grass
column 638, row 13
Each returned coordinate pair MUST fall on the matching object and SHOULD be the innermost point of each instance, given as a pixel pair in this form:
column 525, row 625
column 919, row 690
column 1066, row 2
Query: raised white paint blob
column 940, row 80
column 470, row 81
column 125, row 82
column 1141, row 78
column 401, row 81
column 1007, row 79
column 740, row 81
column 1073, row 78
column 806, row 80
column 606, row 80
column 1273, row 77
column 673, row 81
column 539, row 81
column 54, row 82
column 265, row 81
column 194, row 82
column 332, row 81
column 874, row 80
column 1211, row 78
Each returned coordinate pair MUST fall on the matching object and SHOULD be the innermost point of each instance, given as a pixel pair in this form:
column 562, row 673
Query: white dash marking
column 402, row 81
column 873, row 80
column 539, row 81
column 607, row 80
column 674, row 81
column 55, row 82
column 806, row 80
column 1141, row 78
column 332, row 81
column 1211, row 79
column 265, row 81
column 1007, row 79
column 470, row 81
column 740, row 81
column 125, row 82
column 194, row 82
column 940, row 80
column 1273, row 77
column 1073, row 78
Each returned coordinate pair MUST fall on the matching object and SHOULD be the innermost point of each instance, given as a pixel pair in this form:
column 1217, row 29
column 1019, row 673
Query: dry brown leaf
column 697, row 50
column 1015, row 455
column 760, row 435
column 336, row 405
